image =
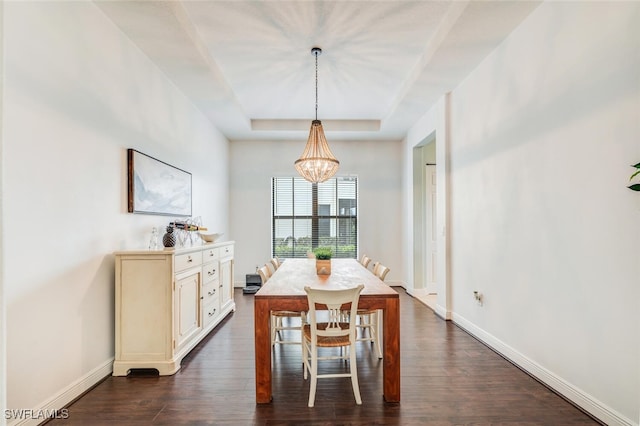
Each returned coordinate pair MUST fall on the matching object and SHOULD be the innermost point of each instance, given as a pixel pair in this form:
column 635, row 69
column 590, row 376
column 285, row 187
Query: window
column 306, row 216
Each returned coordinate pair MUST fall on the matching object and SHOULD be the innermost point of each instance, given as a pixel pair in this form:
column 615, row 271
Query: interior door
column 430, row 229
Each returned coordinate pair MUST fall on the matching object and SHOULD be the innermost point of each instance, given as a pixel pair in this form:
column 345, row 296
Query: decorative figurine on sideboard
column 153, row 241
column 168, row 239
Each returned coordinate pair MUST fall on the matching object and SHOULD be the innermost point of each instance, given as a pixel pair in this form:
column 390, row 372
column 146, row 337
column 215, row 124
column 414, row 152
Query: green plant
column 323, row 253
column 635, row 186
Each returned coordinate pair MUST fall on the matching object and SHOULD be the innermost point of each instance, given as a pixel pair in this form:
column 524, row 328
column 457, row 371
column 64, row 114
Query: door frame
column 423, row 154
column 436, row 141
column 430, row 230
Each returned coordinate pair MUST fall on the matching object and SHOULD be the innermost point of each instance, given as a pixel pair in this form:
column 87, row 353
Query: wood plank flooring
column 448, row 378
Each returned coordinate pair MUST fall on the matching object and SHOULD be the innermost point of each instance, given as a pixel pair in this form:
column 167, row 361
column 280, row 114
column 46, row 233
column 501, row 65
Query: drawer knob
column 189, row 259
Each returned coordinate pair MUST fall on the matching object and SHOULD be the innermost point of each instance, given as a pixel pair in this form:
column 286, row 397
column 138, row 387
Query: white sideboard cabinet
column 167, row 301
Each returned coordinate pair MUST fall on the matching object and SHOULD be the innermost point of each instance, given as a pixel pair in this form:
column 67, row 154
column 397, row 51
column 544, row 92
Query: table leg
column 391, row 360
column 262, row 325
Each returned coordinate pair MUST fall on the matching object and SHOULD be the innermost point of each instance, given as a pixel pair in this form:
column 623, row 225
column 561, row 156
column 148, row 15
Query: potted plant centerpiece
column 323, row 260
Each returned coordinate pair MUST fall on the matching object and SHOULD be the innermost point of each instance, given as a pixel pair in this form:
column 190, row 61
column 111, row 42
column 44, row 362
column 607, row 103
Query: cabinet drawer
column 210, row 292
column 188, row 260
column 210, row 255
column 210, row 313
column 210, row 272
column 226, row 251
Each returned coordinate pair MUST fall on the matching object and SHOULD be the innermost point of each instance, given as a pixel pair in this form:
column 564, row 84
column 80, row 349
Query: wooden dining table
column 284, row 291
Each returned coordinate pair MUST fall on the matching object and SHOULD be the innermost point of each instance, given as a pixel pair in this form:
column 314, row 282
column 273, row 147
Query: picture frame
column 155, row 187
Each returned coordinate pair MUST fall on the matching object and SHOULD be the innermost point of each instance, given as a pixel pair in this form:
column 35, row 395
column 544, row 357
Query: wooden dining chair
column 332, row 333
column 365, row 260
column 276, row 263
column 265, row 274
column 277, row 317
column 381, row 272
column 370, row 320
column 269, row 268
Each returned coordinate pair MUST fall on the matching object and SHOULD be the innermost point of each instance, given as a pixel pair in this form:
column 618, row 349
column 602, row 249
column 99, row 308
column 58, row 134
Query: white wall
column 542, row 134
column 377, row 165
column 3, row 317
column 77, row 94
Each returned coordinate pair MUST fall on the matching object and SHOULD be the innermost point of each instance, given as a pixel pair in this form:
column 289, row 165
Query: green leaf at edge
column 635, row 187
column 637, row 166
column 635, row 174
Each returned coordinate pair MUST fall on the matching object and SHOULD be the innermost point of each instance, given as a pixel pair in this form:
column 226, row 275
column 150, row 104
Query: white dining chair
column 365, row 260
column 277, row 318
column 370, row 320
column 264, row 274
column 381, row 272
column 270, row 268
column 276, row 263
column 332, row 333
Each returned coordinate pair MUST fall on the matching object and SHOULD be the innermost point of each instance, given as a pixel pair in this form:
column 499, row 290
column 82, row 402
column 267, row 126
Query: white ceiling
column 248, row 66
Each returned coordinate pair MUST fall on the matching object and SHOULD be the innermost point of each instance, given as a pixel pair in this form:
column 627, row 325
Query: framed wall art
column 156, row 187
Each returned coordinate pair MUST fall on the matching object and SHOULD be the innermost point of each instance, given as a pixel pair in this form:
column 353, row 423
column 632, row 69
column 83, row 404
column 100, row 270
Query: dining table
column 284, row 291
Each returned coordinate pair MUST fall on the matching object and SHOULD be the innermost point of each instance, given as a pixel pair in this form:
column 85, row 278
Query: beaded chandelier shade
column 317, row 163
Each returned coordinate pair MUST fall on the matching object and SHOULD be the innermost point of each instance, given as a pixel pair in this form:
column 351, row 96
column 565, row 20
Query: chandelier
column 317, row 163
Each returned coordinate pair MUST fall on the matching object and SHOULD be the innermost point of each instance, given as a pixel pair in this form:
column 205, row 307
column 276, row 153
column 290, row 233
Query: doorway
column 425, row 247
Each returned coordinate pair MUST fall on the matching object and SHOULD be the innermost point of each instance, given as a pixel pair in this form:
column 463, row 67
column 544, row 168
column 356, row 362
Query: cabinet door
column 226, row 281
column 187, row 308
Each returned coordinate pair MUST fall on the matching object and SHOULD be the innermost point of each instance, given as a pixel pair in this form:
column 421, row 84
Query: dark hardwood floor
column 448, row 378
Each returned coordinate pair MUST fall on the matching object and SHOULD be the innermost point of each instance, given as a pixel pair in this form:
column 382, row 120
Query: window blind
column 306, row 216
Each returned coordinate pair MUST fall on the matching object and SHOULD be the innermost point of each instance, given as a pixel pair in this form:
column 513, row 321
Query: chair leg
column 353, row 370
column 305, row 359
column 314, row 376
column 370, row 325
column 279, row 327
column 273, row 330
column 376, row 331
column 303, row 321
column 276, row 325
column 369, row 330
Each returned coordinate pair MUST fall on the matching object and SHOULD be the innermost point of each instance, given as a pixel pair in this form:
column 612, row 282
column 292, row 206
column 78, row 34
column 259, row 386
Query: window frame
column 317, row 219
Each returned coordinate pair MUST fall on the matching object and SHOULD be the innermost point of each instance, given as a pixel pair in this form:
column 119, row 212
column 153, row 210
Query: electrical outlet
column 478, row 296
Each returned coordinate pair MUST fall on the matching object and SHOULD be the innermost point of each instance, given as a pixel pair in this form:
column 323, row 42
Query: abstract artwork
column 156, row 187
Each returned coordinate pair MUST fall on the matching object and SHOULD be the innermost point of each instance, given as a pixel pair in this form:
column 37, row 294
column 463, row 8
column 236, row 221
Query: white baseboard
column 583, row 400
column 53, row 406
column 417, row 292
column 442, row 312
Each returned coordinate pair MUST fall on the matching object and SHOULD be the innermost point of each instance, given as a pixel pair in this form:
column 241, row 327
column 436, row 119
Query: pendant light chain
column 316, row 54
column 317, row 163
